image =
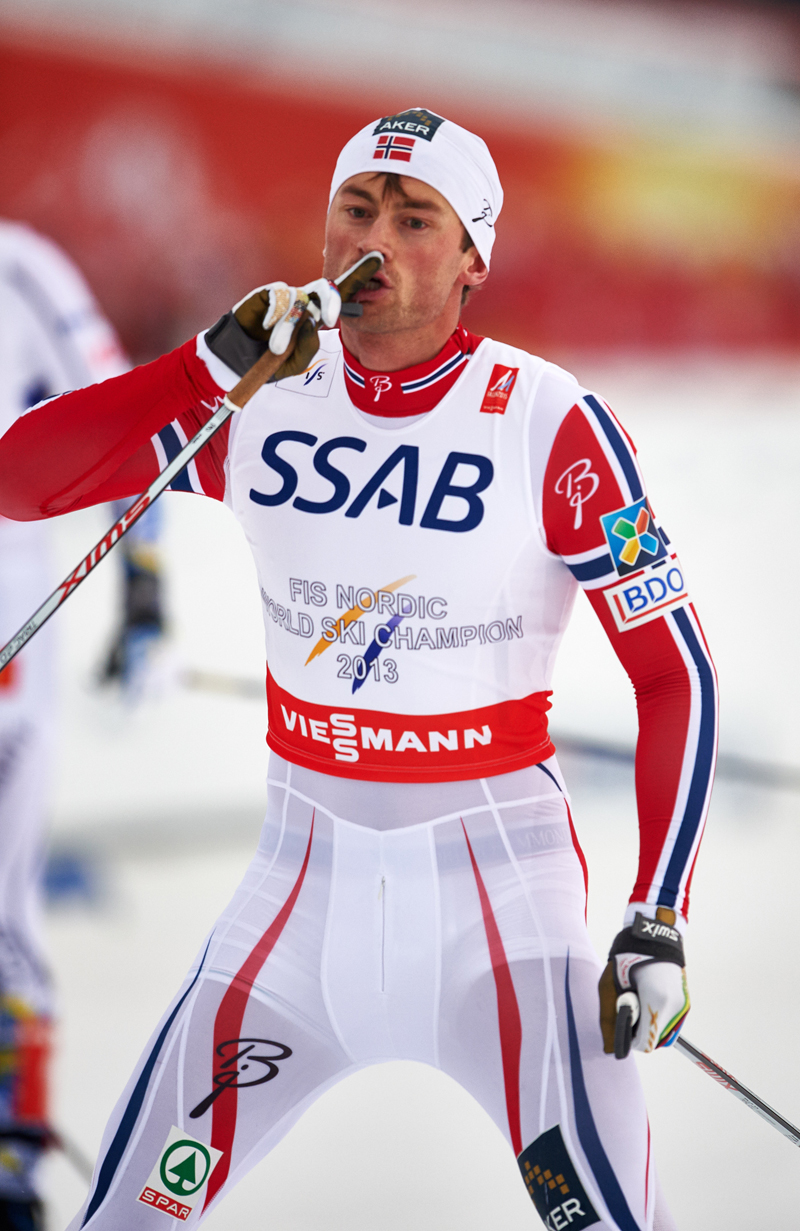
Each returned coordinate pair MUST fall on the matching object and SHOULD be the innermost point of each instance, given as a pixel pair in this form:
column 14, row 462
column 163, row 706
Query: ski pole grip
column 262, row 371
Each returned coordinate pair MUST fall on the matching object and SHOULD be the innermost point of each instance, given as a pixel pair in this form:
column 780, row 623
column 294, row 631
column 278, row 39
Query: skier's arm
column 108, row 441
column 111, row 440
column 596, row 516
column 594, row 496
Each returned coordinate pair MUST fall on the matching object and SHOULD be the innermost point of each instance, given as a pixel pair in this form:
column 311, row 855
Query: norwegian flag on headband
column 394, row 147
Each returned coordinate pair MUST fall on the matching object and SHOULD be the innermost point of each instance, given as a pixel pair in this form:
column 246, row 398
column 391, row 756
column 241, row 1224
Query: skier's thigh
column 237, row 1092
column 530, row 1051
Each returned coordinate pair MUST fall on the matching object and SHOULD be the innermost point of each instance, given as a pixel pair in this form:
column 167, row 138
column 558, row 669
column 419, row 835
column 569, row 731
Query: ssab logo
column 454, row 504
column 632, row 537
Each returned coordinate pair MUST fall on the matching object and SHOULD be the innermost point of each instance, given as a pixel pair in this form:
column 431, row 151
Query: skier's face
column 421, row 237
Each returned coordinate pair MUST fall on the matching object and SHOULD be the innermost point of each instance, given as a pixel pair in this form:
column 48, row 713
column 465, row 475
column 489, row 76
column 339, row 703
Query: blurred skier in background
column 53, row 337
column 141, row 618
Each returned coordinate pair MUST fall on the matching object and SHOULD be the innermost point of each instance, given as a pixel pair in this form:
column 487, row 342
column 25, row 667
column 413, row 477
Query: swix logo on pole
column 498, row 390
column 106, row 543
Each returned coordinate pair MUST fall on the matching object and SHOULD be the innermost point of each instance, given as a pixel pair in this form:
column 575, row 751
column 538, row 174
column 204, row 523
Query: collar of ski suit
column 411, row 391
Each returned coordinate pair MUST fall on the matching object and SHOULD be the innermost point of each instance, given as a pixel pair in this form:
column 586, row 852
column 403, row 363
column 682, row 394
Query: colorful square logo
column 632, row 537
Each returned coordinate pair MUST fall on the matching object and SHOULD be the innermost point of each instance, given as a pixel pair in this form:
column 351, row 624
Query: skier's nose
column 378, row 237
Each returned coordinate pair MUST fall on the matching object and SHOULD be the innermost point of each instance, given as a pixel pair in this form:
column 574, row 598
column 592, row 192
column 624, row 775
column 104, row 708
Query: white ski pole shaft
column 709, row 1066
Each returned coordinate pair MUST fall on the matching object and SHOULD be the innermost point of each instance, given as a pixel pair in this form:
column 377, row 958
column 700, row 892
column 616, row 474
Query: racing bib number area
column 386, row 747
column 553, row 1184
column 181, row 1172
column 648, row 594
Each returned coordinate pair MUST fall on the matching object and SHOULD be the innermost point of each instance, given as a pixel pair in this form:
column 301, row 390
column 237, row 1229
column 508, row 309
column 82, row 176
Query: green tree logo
column 190, row 1169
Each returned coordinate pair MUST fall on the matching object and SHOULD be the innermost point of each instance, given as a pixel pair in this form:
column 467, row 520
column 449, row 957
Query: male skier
column 422, row 505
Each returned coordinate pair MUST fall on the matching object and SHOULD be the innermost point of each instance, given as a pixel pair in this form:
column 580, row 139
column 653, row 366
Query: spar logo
column 498, row 390
column 181, row 1171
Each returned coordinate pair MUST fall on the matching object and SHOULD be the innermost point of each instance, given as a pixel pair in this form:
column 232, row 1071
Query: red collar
column 412, row 391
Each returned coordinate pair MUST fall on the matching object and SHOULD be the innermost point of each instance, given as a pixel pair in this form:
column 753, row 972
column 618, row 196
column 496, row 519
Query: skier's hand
column 264, row 319
column 271, row 313
column 644, row 999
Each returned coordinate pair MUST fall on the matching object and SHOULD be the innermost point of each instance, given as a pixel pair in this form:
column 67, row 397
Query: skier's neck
column 393, row 352
column 413, row 390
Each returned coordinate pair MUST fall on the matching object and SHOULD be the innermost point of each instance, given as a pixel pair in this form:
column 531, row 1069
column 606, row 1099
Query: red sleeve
column 598, row 519
column 110, row 440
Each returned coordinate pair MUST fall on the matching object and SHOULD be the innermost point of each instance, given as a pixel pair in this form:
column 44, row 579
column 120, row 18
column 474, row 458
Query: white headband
column 440, row 153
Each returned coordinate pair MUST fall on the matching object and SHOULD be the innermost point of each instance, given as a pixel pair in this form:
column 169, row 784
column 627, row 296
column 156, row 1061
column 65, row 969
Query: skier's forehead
column 410, row 193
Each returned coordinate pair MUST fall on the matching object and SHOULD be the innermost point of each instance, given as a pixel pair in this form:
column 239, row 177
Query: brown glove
column 275, row 312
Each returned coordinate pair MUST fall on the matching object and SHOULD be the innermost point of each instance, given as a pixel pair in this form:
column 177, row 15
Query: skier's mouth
column 377, row 288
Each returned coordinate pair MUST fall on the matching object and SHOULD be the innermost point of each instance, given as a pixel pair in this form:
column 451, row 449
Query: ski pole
column 709, row 1066
column 238, row 397
column 268, row 364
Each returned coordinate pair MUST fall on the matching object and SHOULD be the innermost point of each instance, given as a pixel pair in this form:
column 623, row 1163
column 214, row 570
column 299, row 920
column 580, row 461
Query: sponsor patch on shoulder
column 316, row 381
column 414, row 123
column 180, row 1173
column 648, row 594
column 633, row 537
column 498, row 390
column 552, row 1181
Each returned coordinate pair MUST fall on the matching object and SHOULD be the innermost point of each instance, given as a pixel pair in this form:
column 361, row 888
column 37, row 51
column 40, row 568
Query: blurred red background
column 176, row 189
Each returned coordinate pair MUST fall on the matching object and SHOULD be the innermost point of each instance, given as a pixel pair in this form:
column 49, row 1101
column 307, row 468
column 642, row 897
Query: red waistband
column 385, row 747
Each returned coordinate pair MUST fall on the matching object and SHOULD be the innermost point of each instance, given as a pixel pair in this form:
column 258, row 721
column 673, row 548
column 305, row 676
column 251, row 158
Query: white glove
column 275, row 309
column 644, row 999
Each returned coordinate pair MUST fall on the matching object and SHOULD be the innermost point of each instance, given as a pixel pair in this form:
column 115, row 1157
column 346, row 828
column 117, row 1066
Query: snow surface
column 165, row 800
